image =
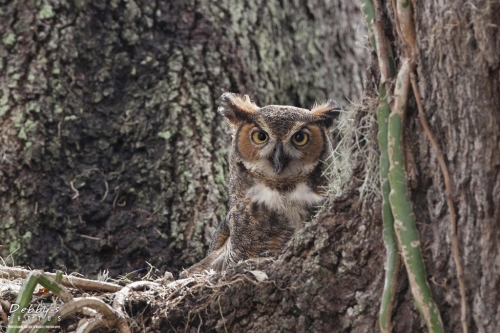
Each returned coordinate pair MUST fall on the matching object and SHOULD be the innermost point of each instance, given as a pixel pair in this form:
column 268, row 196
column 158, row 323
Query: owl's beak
column 278, row 158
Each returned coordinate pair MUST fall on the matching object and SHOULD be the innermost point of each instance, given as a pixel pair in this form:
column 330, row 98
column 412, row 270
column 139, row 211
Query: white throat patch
column 292, row 204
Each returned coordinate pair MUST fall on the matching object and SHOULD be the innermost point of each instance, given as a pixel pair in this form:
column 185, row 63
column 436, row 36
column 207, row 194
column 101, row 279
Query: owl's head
column 278, row 141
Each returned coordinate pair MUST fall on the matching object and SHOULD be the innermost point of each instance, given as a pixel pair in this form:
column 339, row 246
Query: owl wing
column 220, row 236
column 217, row 246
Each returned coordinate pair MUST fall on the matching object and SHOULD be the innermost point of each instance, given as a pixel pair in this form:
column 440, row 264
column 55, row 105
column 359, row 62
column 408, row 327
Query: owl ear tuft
column 325, row 113
column 236, row 108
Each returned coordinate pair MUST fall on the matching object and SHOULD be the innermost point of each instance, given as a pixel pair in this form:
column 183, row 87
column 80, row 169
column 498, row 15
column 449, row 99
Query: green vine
column 383, row 111
column 391, row 247
column 397, row 211
column 402, row 210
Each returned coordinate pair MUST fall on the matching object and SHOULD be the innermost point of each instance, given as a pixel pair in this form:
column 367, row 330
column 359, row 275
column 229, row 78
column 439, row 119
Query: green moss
column 130, row 36
column 355, row 311
column 33, row 107
column 9, row 39
column 146, row 60
column 96, row 97
column 27, row 236
column 46, row 12
column 22, row 134
column 220, row 174
column 9, row 222
column 14, row 245
column 4, row 109
column 5, row 96
column 187, row 131
column 103, row 144
column 70, row 118
column 58, row 88
column 108, row 91
column 165, row 135
column 14, row 78
column 18, row 118
column 29, row 126
column 312, row 286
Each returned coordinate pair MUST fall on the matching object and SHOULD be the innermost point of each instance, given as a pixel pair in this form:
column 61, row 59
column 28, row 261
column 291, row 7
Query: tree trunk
column 113, row 154
column 459, row 79
column 331, row 276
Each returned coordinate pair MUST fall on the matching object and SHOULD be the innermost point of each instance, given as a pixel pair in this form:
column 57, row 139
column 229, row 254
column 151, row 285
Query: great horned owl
column 277, row 165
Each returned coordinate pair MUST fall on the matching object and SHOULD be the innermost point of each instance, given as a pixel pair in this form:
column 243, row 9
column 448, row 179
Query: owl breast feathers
column 277, row 165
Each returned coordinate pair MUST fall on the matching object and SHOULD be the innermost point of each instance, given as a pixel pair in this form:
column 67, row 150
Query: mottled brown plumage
column 276, row 177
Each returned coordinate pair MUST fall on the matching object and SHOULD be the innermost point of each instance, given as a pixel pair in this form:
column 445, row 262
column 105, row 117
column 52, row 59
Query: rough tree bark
column 112, row 153
column 459, row 78
column 330, row 278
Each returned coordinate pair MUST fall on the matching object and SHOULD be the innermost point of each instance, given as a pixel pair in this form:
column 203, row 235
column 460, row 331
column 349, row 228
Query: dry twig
column 449, row 201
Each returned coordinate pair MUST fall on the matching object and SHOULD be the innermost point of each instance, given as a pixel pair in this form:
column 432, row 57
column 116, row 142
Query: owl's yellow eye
column 259, row 137
column 300, row 138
